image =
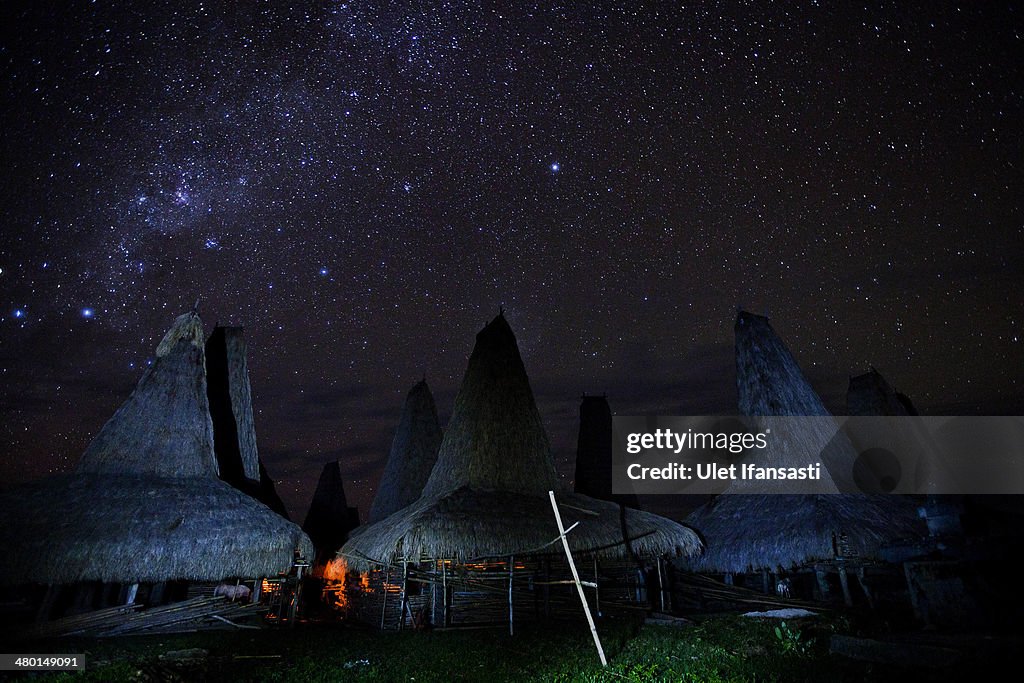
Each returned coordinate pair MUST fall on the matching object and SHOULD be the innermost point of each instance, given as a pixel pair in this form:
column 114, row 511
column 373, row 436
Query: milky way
column 362, row 185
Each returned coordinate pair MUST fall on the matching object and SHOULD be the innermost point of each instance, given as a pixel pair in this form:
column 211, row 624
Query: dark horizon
column 363, row 186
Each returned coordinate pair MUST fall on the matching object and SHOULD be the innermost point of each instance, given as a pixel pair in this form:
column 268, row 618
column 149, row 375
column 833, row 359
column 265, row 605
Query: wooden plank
column 576, row 576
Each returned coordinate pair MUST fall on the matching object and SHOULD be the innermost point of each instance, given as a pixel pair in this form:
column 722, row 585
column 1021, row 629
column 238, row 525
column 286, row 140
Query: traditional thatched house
column 870, row 394
column 144, row 505
column 480, row 544
column 234, row 431
column 330, row 519
column 825, row 531
column 413, row 454
column 593, row 475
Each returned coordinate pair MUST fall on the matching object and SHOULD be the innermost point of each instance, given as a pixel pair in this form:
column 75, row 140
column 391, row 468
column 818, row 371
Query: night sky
column 362, row 185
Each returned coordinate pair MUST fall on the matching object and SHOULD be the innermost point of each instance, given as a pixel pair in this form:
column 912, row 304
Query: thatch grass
column 164, row 427
column 230, row 396
column 144, row 503
column 495, row 439
column 130, row 528
column 413, row 454
column 768, row 379
column 747, row 532
column 750, row 532
column 870, row 394
column 468, row 524
column 488, row 493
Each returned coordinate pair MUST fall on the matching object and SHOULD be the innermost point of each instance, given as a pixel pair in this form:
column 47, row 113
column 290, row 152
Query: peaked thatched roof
column 234, row 431
column 495, row 439
column 163, row 429
column 593, row 475
column 230, row 395
column 870, row 394
column 746, row 531
column 330, row 519
column 770, row 383
column 487, row 495
column 144, row 503
column 768, row 379
column 752, row 532
column 413, row 454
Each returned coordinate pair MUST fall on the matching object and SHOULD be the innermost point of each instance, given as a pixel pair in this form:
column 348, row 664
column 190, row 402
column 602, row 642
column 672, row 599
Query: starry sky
column 362, row 185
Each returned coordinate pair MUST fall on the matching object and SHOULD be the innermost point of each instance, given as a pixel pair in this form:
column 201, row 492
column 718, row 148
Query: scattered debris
column 189, row 656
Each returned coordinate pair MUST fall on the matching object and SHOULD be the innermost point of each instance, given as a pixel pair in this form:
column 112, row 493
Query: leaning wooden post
column 511, row 570
column 576, row 579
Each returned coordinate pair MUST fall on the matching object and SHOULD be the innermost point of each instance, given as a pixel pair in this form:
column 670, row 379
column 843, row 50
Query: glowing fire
column 335, row 578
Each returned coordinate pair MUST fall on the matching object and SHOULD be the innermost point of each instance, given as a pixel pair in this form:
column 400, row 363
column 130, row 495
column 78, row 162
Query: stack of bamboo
column 197, row 614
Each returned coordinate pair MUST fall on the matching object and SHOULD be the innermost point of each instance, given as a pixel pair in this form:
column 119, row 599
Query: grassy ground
column 718, row 649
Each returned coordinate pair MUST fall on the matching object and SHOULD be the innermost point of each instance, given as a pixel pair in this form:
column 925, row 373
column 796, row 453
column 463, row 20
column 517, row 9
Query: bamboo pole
column 511, row 572
column 384, row 602
column 444, row 593
column 405, row 595
column 661, row 587
column 576, row 577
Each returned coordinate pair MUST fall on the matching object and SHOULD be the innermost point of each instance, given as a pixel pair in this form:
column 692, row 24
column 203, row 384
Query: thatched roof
column 330, row 519
column 164, row 428
column 870, row 394
column 468, row 524
column 495, row 439
column 593, row 475
column 768, row 379
column 230, row 395
column 750, row 532
column 145, row 503
column 131, row 528
column 747, row 531
column 487, row 495
column 234, row 431
column 770, row 383
column 413, row 454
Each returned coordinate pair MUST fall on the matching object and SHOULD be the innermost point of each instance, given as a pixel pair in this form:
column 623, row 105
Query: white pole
column 576, row 579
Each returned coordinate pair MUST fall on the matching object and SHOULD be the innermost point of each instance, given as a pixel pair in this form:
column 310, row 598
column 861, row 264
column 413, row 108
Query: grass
column 719, row 649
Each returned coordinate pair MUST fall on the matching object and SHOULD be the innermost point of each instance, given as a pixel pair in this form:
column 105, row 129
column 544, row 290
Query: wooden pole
column 133, row 590
column 384, row 602
column 844, row 582
column 576, row 579
column 511, row 571
column 405, row 595
column 661, row 587
column 433, row 596
column 597, row 594
column 444, row 593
